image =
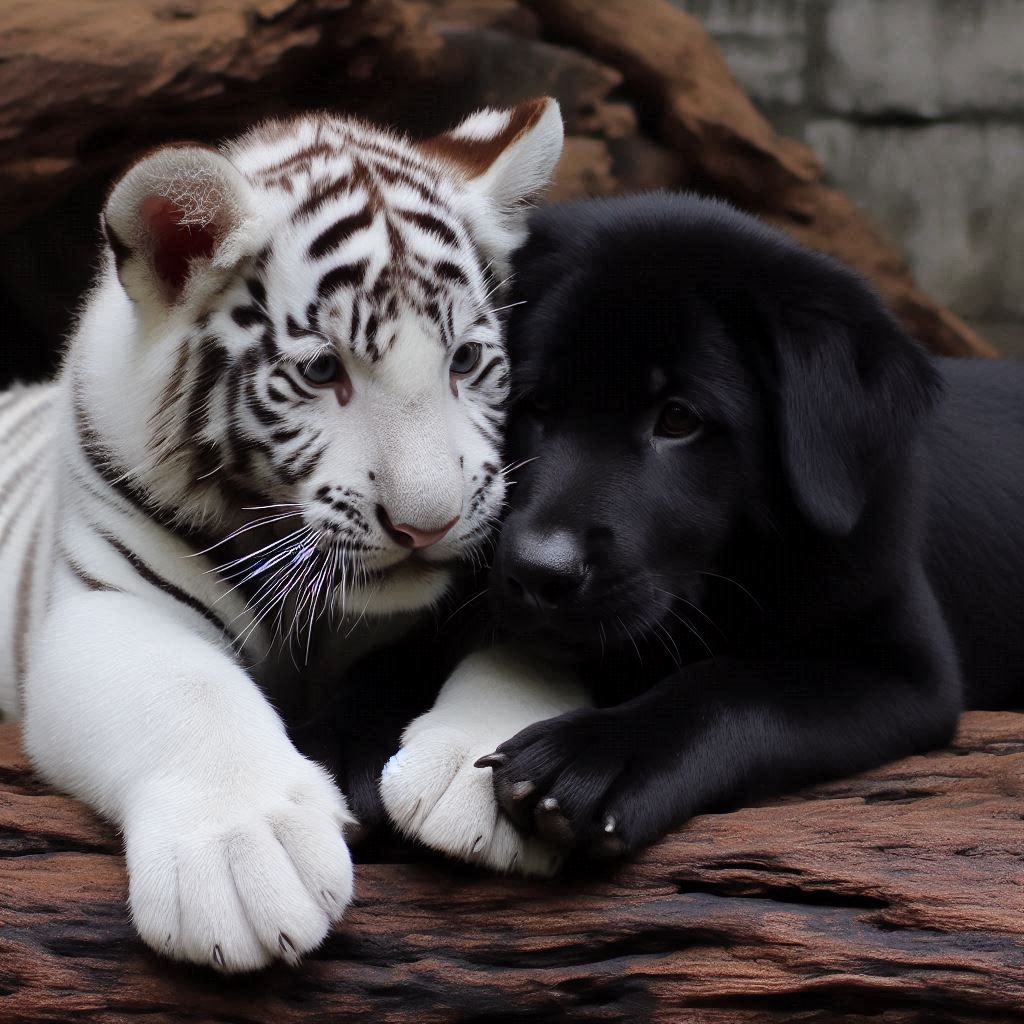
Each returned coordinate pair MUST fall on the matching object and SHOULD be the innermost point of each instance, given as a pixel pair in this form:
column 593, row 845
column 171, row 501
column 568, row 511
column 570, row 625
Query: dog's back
column 975, row 549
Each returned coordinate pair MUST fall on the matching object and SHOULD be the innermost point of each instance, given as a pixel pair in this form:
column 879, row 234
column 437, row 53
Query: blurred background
column 916, row 108
column 889, row 133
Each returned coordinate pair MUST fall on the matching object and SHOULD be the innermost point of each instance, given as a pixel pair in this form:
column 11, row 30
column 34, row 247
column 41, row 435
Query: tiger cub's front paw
column 238, row 876
column 433, row 792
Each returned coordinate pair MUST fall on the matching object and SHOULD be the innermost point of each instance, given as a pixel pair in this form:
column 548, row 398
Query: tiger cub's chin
column 405, row 587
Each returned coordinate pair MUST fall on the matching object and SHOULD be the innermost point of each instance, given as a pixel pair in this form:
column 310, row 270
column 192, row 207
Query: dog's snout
column 543, row 572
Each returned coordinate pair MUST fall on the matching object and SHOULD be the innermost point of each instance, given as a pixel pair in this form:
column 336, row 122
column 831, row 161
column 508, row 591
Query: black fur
column 820, row 581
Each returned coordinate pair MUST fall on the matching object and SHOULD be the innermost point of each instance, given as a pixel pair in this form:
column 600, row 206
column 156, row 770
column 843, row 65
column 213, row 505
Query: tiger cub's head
column 317, row 335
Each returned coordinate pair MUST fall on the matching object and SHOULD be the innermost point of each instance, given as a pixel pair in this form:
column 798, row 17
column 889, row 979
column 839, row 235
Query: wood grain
column 897, row 896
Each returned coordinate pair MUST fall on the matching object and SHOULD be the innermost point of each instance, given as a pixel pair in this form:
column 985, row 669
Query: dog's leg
column 608, row 781
column 433, row 789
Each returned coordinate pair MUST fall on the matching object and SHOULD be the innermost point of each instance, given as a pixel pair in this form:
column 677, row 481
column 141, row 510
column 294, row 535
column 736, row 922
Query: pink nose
column 411, row 536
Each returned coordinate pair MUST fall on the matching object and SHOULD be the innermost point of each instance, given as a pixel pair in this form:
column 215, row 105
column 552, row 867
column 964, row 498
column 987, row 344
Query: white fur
column 497, row 201
column 233, row 840
column 431, row 789
column 134, row 700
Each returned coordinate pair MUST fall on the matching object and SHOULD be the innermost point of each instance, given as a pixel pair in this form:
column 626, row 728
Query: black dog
column 780, row 541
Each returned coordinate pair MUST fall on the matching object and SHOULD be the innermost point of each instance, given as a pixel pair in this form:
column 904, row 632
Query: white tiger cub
column 284, row 393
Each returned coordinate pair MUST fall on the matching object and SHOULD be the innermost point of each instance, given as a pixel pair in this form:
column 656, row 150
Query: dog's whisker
column 735, row 583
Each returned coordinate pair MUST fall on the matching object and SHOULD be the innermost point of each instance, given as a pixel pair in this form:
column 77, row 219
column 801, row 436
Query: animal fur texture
column 280, row 416
column 766, row 538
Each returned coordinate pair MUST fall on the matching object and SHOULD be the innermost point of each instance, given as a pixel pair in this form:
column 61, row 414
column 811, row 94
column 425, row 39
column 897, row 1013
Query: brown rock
column 676, row 71
column 893, row 897
column 584, row 170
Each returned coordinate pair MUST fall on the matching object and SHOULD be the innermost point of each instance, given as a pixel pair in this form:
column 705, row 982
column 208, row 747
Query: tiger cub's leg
column 233, row 839
column 432, row 788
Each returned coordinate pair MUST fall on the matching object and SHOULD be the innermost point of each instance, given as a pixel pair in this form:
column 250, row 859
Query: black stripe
column 25, row 418
column 430, row 288
column 267, row 416
column 85, row 578
column 449, row 323
column 357, row 316
column 248, row 316
column 296, row 330
column 165, row 585
column 213, row 362
column 320, row 195
column 492, row 437
column 257, row 290
column 339, row 232
column 22, row 612
column 103, row 464
column 239, row 445
column 485, row 372
column 434, row 225
column 370, row 331
column 300, row 391
column 27, row 480
column 395, row 176
column 451, row 272
column 347, row 275
column 291, row 476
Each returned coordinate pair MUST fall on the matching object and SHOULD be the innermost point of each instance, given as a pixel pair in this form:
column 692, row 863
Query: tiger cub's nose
column 409, row 536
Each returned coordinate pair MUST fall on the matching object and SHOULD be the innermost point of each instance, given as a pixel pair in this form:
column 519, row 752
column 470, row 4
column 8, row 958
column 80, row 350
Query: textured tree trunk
column 85, row 85
column 897, row 896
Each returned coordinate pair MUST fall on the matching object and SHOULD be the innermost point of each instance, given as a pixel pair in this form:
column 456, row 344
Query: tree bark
column 896, row 896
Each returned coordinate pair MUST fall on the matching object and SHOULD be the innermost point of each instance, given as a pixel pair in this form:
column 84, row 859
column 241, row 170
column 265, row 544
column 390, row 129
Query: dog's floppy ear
column 852, row 389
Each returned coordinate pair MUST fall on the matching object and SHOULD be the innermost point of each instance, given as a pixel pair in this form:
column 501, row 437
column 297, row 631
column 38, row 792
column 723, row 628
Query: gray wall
column 917, row 109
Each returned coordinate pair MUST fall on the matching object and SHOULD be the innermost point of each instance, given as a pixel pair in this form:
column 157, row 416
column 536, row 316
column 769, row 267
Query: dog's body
column 974, row 546
column 776, row 540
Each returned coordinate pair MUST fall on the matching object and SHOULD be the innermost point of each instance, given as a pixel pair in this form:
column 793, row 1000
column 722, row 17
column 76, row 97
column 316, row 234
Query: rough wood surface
column 897, row 896
column 85, row 85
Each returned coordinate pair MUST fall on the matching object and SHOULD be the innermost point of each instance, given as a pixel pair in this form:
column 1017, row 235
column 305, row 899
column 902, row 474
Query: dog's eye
column 324, row 370
column 465, row 358
column 678, row 421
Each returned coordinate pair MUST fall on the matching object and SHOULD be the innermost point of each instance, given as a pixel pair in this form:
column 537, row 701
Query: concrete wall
column 917, row 108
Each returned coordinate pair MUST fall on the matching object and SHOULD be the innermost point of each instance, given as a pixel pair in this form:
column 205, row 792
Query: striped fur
column 27, row 486
column 295, row 344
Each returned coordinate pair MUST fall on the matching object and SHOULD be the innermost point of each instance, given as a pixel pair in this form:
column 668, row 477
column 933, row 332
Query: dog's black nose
column 542, row 571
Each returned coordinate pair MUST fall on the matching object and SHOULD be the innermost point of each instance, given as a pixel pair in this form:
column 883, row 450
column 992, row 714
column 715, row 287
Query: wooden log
column 893, row 897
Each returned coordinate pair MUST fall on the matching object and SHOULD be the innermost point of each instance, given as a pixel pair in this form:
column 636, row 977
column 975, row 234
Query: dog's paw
column 237, row 875
column 434, row 792
column 585, row 782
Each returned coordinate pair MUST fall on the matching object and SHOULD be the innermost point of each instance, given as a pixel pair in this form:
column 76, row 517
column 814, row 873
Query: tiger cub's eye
column 465, row 358
column 679, row 421
column 324, row 370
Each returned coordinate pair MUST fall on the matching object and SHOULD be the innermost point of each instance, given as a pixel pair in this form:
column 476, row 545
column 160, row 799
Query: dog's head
column 679, row 369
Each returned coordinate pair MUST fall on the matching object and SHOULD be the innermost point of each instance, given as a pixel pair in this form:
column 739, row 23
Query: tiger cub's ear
column 508, row 157
column 178, row 212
